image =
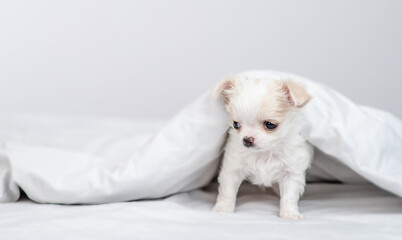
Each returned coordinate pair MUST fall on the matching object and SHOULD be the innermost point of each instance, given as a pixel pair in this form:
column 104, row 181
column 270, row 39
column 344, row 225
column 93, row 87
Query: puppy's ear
column 296, row 93
column 225, row 89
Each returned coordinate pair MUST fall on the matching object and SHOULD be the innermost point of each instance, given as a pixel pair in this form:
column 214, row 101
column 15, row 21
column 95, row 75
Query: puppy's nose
column 248, row 141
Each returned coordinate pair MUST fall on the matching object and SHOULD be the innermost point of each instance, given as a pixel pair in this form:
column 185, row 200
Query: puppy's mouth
column 254, row 148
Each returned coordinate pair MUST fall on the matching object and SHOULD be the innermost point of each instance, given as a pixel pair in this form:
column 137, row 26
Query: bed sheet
column 332, row 211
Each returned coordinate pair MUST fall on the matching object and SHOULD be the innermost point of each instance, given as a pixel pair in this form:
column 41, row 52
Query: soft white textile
column 332, row 211
column 80, row 160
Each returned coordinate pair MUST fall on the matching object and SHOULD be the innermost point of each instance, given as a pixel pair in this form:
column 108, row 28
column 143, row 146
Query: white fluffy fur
column 278, row 157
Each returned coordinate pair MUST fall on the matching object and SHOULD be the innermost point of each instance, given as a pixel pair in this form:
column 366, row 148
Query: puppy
column 264, row 144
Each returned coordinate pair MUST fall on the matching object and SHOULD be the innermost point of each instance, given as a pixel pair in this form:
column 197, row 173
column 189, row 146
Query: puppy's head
column 263, row 111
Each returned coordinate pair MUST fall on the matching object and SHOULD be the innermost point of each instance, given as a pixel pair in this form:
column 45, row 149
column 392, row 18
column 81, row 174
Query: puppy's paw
column 290, row 215
column 223, row 208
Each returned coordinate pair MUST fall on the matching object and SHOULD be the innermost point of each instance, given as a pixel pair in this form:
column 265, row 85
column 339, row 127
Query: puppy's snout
column 248, row 141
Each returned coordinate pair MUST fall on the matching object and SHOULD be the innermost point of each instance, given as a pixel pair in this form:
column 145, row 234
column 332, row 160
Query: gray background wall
column 151, row 58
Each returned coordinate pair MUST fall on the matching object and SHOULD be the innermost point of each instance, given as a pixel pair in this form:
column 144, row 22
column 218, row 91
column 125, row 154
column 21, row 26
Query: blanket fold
column 73, row 160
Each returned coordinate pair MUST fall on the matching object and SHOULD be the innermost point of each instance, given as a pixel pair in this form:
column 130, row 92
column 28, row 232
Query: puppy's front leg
column 291, row 187
column 229, row 183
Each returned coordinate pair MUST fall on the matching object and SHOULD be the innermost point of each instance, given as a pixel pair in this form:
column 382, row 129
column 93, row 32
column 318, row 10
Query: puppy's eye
column 236, row 125
column 269, row 125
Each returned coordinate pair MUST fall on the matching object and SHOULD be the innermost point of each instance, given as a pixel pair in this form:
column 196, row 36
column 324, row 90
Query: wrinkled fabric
column 68, row 160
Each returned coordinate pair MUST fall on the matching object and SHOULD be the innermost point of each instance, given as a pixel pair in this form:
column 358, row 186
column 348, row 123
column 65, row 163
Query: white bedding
column 70, row 160
column 77, row 160
column 332, row 211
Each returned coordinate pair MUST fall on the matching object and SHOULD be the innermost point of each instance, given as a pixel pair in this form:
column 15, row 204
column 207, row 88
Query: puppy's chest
column 263, row 169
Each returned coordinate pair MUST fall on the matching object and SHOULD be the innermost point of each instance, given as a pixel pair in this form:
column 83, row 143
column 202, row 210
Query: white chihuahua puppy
column 264, row 144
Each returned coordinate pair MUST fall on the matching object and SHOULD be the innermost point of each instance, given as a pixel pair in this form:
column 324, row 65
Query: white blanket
column 89, row 160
